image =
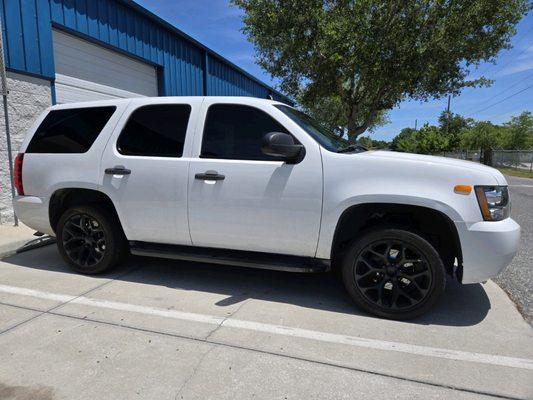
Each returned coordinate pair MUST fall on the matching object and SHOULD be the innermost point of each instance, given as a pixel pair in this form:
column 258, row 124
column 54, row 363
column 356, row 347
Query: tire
column 90, row 239
column 393, row 273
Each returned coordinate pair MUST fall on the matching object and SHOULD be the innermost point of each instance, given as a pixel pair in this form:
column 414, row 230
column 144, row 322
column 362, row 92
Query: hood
column 429, row 160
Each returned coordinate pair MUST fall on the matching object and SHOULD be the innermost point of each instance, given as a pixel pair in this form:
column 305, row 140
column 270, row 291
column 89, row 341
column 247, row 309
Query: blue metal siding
column 224, row 80
column 185, row 67
column 27, row 36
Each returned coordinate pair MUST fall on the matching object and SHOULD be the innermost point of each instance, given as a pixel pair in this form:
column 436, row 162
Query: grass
column 522, row 173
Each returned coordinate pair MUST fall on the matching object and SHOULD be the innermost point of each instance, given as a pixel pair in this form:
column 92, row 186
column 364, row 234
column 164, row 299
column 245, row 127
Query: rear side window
column 155, row 130
column 70, row 131
column 236, row 132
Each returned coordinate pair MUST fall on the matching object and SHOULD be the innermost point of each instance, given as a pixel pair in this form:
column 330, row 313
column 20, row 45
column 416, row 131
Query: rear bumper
column 487, row 247
column 33, row 211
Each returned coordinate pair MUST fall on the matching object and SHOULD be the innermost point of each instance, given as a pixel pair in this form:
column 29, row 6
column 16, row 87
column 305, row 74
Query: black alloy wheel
column 393, row 273
column 84, row 240
column 90, row 239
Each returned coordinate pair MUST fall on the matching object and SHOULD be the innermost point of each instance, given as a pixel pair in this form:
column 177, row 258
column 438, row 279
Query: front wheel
column 393, row 273
column 89, row 239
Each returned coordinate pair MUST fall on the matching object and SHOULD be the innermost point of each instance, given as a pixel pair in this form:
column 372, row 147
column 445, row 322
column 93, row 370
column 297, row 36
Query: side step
column 237, row 258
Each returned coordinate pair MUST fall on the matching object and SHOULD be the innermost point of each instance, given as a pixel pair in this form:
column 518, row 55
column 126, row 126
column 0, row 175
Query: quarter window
column 72, row 130
column 236, row 132
column 155, row 130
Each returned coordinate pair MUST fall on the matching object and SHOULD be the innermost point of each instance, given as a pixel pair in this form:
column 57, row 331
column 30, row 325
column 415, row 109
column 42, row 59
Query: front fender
column 332, row 216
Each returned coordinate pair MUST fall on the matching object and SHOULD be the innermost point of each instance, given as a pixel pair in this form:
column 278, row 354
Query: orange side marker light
column 462, row 189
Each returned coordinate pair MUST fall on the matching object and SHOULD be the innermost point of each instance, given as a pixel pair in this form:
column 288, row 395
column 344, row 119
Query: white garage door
column 86, row 72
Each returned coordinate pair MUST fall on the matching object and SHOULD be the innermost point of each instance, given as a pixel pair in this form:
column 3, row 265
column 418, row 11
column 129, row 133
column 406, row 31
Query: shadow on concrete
column 461, row 305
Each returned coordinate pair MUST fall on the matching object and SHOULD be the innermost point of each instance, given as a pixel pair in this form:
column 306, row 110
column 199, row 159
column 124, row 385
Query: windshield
column 323, row 136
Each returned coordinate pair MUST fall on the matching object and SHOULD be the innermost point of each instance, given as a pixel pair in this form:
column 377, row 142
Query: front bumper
column 487, row 247
column 33, row 212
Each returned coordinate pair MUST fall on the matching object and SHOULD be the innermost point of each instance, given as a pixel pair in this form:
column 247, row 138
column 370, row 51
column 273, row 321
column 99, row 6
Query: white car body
column 262, row 206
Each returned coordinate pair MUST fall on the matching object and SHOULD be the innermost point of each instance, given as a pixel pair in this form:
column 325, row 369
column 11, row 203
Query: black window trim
column 148, row 106
column 241, row 159
column 113, row 106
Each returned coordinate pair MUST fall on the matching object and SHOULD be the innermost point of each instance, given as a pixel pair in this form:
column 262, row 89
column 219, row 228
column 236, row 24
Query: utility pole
column 5, row 91
column 416, row 122
column 448, row 115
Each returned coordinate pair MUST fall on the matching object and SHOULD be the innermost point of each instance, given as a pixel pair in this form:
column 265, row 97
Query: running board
column 236, row 258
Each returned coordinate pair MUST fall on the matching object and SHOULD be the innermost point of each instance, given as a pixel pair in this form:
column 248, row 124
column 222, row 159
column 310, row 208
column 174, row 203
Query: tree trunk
column 487, row 157
column 354, row 129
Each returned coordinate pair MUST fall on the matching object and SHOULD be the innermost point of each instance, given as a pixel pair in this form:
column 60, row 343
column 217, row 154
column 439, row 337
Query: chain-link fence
column 517, row 159
column 471, row 155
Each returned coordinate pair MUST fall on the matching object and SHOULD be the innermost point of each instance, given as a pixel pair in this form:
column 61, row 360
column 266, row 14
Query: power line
column 507, row 88
column 502, row 100
column 509, row 113
column 513, row 85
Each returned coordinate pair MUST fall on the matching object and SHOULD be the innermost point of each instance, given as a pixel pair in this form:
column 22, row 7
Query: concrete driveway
column 157, row 329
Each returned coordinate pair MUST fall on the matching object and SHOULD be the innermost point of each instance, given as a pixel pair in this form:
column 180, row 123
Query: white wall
column 28, row 97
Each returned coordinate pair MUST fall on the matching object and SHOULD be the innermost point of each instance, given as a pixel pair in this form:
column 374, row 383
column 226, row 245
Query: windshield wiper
column 352, row 147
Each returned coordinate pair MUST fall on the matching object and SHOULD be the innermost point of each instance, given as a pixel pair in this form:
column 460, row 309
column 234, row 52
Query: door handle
column 210, row 176
column 117, row 171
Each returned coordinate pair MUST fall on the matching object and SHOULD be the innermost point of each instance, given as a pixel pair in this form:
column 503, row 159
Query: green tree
column 369, row 55
column 426, row 140
column 329, row 111
column 430, row 140
column 370, row 143
column 485, row 136
column 519, row 132
column 405, row 141
column 453, row 125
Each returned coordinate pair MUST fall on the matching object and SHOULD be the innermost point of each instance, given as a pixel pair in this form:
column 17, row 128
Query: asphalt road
column 159, row 329
column 517, row 278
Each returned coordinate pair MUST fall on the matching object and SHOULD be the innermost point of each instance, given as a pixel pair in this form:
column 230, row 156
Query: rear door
column 144, row 169
column 261, row 204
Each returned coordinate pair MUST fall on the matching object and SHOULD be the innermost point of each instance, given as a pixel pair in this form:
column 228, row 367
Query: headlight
column 493, row 202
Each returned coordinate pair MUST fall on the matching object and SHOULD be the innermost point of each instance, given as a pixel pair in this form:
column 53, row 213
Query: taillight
column 17, row 178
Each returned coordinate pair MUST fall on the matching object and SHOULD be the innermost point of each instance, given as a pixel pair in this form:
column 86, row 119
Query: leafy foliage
column 465, row 133
column 427, row 140
column 519, row 133
column 363, row 57
column 484, row 135
column 453, row 126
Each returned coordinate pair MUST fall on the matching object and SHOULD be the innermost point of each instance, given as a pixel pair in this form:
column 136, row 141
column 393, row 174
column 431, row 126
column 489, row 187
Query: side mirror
column 279, row 144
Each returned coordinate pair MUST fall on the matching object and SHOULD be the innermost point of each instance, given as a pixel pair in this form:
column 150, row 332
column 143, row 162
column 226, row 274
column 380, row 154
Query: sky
column 217, row 24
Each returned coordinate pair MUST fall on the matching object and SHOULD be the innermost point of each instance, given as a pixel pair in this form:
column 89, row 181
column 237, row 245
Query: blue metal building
column 125, row 32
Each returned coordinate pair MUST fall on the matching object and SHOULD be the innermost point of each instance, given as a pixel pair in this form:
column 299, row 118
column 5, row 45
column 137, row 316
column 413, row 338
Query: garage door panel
column 86, row 71
column 72, row 90
column 70, row 49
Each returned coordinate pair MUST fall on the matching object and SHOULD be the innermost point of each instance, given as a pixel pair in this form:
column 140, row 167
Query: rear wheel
column 393, row 273
column 89, row 239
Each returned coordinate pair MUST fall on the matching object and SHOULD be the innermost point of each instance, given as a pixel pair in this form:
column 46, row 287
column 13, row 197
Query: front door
column 240, row 198
column 151, row 194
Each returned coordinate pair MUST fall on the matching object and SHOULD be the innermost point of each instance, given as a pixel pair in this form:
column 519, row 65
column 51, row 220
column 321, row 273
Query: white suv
column 257, row 183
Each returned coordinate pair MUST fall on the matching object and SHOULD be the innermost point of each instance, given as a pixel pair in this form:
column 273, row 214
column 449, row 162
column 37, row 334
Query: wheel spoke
column 377, row 254
column 395, row 295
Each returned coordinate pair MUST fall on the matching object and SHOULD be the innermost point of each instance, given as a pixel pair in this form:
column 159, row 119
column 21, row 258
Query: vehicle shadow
column 461, row 305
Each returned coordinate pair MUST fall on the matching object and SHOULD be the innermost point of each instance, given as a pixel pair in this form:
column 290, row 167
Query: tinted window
column 328, row 139
column 70, row 131
column 157, row 130
column 236, row 132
